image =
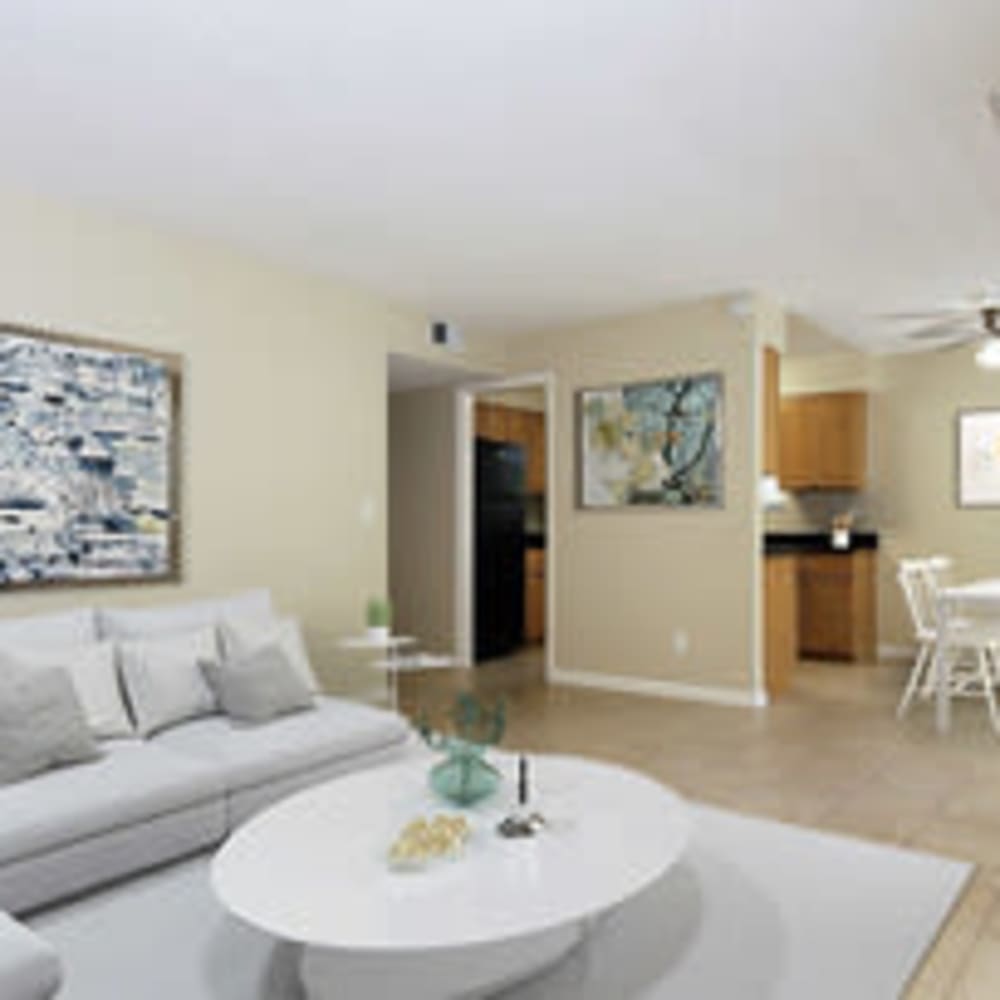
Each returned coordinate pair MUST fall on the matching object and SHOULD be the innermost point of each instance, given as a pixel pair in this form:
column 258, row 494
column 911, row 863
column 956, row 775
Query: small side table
column 390, row 646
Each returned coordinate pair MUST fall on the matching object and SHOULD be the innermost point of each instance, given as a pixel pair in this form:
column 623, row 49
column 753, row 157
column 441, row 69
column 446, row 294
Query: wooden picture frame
column 977, row 458
column 90, row 461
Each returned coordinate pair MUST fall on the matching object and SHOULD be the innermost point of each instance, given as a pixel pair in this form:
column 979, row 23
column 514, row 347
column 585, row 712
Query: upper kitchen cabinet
column 535, row 442
column 823, row 441
column 514, row 425
column 772, row 405
column 492, row 421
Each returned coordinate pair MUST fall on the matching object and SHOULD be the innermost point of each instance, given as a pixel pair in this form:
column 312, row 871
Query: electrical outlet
column 681, row 643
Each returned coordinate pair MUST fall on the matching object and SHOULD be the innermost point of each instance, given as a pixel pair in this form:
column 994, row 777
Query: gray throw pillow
column 42, row 723
column 259, row 686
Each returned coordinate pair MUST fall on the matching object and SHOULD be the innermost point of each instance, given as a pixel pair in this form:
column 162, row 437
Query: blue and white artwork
column 85, row 462
column 652, row 444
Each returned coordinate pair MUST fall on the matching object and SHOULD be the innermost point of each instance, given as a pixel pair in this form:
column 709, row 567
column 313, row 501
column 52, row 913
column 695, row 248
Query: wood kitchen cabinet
column 781, row 621
column 492, row 421
column 535, row 444
column 823, row 441
column 497, row 422
column 837, row 611
column 772, row 411
column 534, row 595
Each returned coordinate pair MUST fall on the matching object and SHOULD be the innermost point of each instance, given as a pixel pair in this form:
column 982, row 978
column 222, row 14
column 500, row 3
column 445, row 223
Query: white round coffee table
column 313, row 870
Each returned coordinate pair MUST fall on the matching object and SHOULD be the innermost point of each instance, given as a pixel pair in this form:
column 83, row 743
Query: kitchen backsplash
column 814, row 510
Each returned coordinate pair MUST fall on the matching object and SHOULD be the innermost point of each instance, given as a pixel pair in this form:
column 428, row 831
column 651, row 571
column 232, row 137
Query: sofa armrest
column 29, row 967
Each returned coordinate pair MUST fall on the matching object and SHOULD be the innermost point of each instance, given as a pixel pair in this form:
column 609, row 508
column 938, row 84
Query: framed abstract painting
column 978, row 454
column 651, row 444
column 89, row 471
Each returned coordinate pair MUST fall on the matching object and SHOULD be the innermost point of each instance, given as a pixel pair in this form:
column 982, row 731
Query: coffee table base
column 440, row 974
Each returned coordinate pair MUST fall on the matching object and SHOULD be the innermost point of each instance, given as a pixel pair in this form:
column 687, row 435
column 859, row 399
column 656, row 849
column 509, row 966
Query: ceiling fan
column 960, row 323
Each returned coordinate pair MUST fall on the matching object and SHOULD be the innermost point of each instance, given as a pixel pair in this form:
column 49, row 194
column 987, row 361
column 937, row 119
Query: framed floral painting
column 978, row 465
column 651, row 444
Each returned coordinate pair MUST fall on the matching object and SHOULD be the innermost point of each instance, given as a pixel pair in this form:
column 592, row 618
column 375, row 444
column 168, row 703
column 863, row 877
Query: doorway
column 506, row 504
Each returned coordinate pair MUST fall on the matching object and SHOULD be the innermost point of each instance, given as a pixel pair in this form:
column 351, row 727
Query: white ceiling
column 406, row 373
column 524, row 164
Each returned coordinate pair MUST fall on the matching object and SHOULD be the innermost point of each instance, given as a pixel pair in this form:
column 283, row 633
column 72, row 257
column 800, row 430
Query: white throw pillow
column 163, row 679
column 144, row 623
column 95, row 678
column 61, row 628
column 245, row 635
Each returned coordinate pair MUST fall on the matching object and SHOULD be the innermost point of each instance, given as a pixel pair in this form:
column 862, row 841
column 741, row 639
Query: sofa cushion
column 163, row 678
column 42, row 724
column 132, row 782
column 61, row 628
column 95, row 677
column 29, row 966
column 251, row 755
column 259, row 686
column 244, row 634
column 140, row 623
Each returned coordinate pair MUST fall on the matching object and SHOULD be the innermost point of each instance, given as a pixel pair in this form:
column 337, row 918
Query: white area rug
column 756, row 910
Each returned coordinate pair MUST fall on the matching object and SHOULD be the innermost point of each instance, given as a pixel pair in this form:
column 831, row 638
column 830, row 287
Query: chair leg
column 916, row 678
column 986, row 674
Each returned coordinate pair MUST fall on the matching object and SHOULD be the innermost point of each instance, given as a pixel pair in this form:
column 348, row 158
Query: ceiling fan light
column 988, row 356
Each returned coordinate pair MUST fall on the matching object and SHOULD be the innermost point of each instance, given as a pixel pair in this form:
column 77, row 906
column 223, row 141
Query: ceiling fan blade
column 928, row 314
column 954, row 345
column 942, row 331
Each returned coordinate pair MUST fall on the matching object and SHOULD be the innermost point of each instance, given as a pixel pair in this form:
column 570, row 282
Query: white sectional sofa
column 29, row 968
column 146, row 801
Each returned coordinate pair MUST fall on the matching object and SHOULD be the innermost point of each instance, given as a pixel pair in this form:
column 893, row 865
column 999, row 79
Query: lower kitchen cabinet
column 836, row 595
column 534, row 595
column 781, row 621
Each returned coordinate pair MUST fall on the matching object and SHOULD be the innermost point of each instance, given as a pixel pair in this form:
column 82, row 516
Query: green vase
column 464, row 777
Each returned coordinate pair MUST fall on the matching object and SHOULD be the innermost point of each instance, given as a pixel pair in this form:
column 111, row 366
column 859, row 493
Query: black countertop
column 534, row 540
column 778, row 543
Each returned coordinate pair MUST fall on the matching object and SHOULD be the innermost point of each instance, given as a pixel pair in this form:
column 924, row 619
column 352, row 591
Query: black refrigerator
column 499, row 558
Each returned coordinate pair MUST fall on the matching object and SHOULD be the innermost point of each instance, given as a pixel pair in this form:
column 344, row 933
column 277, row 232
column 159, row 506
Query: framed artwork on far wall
column 89, row 461
column 978, row 458
column 655, row 444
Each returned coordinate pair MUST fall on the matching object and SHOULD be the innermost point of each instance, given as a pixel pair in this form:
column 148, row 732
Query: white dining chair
column 970, row 643
column 913, row 576
column 968, row 637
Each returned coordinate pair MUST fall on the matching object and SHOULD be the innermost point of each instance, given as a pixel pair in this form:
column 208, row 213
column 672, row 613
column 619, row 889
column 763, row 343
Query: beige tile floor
column 830, row 755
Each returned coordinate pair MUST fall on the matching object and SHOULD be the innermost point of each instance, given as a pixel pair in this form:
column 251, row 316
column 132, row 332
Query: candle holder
column 521, row 823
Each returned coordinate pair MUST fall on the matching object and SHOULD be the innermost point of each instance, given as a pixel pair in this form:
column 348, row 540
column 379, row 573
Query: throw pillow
column 258, row 687
column 42, row 723
column 244, row 634
column 172, row 619
column 57, row 628
column 95, row 677
column 163, row 680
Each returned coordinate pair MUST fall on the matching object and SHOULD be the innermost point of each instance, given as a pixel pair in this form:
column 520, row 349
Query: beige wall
column 285, row 404
column 422, row 429
column 916, row 458
column 627, row 581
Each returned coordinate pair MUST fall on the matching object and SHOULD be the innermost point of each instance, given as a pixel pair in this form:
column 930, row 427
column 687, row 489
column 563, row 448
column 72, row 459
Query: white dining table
column 979, row 598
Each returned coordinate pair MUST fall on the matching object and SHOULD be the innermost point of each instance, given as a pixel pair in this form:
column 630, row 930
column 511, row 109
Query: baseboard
column 623, row 684
column 890, row 651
